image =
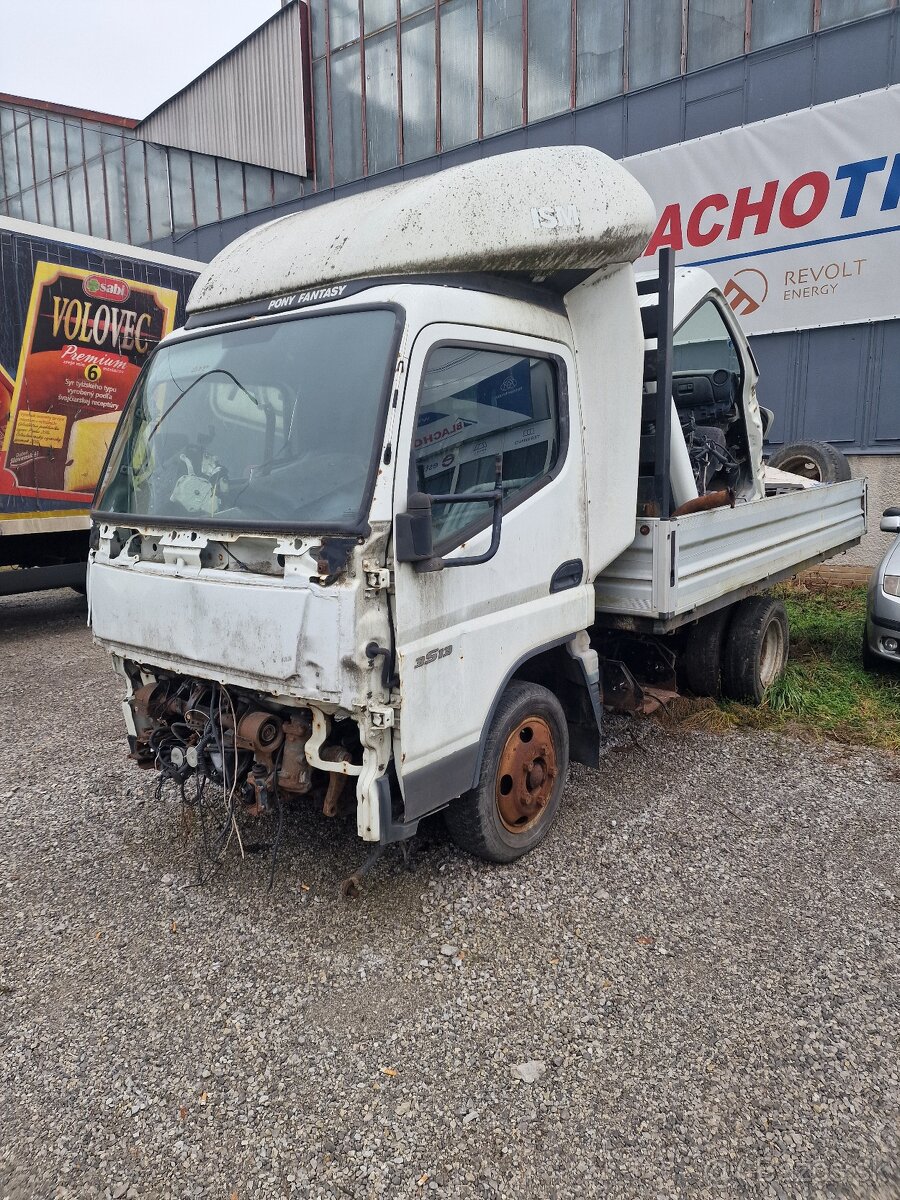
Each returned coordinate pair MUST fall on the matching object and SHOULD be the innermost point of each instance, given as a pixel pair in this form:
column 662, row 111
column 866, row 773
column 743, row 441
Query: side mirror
column 890, row 520
column 414, row 538
column 414, row 530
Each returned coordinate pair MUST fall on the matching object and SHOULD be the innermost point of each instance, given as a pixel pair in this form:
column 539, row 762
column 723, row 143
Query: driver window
column 704, row 343
column 477, row 405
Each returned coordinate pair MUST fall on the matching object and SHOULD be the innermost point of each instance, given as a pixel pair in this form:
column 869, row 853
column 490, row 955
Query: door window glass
column 478, row 405
column 704, row 343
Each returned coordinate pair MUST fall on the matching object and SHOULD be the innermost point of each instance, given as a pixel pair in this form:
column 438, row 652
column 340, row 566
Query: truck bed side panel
column 689, row 563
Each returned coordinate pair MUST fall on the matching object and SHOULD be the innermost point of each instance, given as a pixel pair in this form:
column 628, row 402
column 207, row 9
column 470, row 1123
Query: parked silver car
column 881, row 641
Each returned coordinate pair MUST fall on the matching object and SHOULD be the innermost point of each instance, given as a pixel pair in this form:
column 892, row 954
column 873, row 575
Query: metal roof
column 252, row 105
column 66, row 110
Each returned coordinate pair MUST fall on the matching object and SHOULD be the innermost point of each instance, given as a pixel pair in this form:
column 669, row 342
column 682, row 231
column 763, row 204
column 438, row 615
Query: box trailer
column 78, row 317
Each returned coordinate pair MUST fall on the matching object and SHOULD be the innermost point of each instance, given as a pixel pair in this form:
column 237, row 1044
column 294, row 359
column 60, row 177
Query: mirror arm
column 496, row 498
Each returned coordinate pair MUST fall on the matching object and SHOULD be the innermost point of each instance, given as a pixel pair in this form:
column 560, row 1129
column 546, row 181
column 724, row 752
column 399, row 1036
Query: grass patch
column 824, row 690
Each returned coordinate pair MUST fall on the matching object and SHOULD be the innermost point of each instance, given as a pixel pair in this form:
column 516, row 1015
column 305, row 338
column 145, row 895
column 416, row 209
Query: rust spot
column 526, row 775
column 336, row 781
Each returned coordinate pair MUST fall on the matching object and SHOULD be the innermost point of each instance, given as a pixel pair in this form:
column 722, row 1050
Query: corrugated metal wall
column 248, row 106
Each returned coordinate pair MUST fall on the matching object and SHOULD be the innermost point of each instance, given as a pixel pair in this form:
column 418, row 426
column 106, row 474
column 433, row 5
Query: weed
column 824, row 690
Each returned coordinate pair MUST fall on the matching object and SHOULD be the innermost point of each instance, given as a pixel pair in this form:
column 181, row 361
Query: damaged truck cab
column 349, row 533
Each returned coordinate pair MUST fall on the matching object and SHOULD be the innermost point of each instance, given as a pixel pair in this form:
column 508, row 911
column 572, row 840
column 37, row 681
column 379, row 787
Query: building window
column 549, row 58
column 346, row 114
column 417, row 77
column 379, row 13
column 838, row 12
column 773, row 22
column 715, row 32
column 654, row 41
column 343, row 22
column 381, row 100
column 600, row 42
column 502, row 65
column 459, row 73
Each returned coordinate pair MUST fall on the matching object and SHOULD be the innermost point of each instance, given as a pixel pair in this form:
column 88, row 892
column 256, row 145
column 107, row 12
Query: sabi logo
column 105, row 287
column 746, row 296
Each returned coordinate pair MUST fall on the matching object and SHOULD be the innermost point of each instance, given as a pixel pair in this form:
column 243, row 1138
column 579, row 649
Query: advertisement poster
column 86, row 337
column 6, row 393
column 797, row 218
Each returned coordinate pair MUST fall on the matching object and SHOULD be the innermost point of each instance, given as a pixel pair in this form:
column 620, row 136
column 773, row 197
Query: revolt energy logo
column 746, row 290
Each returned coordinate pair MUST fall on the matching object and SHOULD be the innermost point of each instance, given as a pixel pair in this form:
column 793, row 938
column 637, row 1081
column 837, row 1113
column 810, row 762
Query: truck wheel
column 523, row 772
column 812, row 460
column 756, row 649
column 701, row 659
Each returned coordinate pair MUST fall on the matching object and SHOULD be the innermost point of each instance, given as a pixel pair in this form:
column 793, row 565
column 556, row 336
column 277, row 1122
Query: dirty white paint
column 476, row 217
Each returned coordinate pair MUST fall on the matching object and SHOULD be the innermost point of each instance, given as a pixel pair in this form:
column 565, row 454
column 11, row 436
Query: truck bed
column 678, row 570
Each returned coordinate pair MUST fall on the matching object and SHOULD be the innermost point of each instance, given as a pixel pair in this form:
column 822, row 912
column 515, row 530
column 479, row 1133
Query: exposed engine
column 230, row 757
column 708, row 406
column 714, row 463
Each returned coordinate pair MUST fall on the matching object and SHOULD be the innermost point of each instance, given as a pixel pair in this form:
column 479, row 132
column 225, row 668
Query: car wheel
column 812, row 460
column 756, row 649
column 523, row 772
column 701, row 659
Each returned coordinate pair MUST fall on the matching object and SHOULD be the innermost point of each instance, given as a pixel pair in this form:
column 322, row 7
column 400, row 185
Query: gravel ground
column 698, row 971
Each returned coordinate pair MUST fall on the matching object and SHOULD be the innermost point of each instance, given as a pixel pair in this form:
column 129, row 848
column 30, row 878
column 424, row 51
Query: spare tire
column 812, row 460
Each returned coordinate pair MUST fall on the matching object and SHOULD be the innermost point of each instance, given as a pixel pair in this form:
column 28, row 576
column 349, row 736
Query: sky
column 117, row 56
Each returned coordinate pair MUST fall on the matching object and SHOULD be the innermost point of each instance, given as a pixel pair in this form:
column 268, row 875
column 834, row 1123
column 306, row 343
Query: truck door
column 473, row 397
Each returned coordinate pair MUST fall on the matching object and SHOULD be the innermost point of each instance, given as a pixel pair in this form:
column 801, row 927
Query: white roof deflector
column 532, row 212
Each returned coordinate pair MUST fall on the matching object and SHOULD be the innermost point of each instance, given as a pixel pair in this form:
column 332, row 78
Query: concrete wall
column 883, row 474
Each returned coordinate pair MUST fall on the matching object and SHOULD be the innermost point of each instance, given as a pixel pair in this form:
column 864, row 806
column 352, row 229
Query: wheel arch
column 551, row 665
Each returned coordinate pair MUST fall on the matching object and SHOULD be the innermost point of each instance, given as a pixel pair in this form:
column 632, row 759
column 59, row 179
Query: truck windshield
column 277, row 423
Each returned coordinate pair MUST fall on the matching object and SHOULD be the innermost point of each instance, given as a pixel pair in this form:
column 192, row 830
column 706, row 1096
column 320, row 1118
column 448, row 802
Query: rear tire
column 756, row 649
column 812, row 460
column 523, row 773
column 702, row 655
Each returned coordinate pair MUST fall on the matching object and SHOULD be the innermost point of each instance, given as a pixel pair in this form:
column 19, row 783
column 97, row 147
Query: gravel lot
column 702, row 961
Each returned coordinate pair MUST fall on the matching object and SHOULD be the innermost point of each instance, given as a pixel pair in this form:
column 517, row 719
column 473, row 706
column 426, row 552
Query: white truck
column 408, row 500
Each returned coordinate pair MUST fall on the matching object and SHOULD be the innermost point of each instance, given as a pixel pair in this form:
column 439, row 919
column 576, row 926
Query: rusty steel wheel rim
column 526, row 775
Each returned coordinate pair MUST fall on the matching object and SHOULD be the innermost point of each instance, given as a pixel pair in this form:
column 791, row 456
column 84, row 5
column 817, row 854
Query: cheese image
column 89, row 440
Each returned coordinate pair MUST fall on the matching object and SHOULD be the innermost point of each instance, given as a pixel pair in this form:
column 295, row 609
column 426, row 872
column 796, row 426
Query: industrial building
column 335, row 96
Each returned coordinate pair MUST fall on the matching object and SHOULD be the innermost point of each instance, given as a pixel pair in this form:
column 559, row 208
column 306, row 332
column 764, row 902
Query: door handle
column 568, row 575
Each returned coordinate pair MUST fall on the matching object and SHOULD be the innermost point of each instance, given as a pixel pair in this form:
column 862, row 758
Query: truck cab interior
column 708, row 392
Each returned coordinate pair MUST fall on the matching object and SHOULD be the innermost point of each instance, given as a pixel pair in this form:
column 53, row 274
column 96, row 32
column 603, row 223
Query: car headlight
column 891, row 585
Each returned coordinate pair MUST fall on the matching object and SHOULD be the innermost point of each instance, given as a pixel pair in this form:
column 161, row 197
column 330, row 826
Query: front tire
column 523, row 773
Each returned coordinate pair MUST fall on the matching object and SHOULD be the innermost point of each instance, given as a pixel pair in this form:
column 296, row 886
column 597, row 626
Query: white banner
column 797, row 218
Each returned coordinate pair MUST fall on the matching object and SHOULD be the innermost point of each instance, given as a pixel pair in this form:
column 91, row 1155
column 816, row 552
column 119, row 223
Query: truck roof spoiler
column 554, row 214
